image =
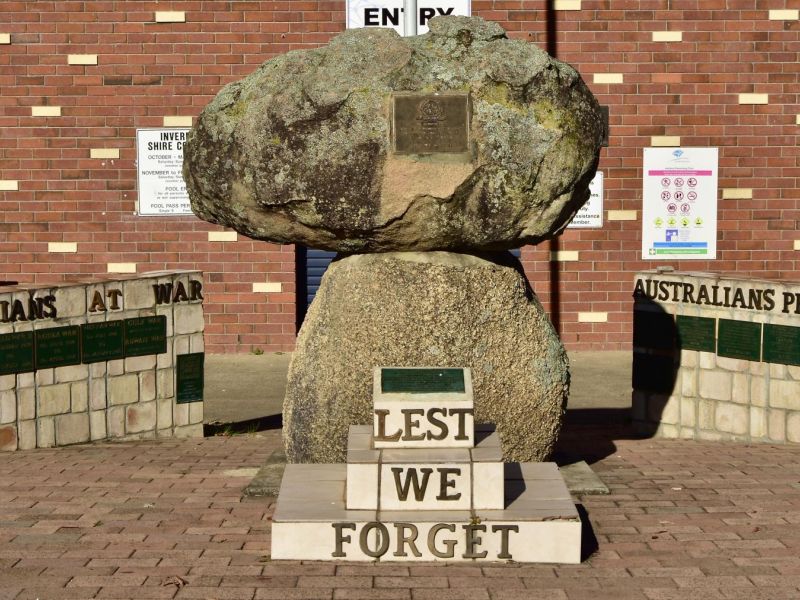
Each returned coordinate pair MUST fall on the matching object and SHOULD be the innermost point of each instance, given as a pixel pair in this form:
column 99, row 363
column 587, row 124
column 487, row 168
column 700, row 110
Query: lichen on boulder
column 300, row 150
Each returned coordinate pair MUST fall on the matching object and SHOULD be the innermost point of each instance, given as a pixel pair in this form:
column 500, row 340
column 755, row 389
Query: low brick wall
column 96, row 360
column 716, row 358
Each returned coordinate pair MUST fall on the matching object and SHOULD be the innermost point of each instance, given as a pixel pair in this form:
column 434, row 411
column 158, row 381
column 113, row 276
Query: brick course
column 148, row 70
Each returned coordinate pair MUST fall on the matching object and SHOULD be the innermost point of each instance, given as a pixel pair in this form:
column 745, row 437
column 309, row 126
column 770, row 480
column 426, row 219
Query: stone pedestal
column 425, row 309
column 425, row 501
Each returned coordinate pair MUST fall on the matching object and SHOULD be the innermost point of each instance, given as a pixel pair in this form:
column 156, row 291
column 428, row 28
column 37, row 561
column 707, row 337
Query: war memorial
column 419, row 160
column 424, row 447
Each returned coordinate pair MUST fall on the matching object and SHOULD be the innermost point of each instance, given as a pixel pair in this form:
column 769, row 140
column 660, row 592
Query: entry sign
column 159, row 154
column 679, row 208
column 590, row 216
column 389, row 13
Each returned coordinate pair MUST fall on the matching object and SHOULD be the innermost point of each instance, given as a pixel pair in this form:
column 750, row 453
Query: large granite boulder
column 300, row 151
column 425, row 309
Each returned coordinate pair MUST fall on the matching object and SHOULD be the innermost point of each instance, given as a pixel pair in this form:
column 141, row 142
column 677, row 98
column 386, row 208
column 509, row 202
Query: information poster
column 159, row 154
column 389, row 13
column 590, row 216
column 679, row 212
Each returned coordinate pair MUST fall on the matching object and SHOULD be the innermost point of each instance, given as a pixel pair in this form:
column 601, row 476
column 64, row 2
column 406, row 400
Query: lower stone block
column 97, row 422
column 190, row 431
column 8, row 437
column 27, row 435
column 312, row 523
column 45, row 432
column 140, row 417
column 72, row 429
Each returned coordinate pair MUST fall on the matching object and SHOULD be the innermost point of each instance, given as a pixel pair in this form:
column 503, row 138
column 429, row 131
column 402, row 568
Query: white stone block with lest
column 422, row 407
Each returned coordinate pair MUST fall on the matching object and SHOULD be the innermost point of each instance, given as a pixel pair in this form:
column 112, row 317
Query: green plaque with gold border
column 16, row 353
column 739, row 339
column 189, row 377
column 58, row 347
column 422, row 381
column 697, row 333
column 103, row 341
column 145, row 335
column 782, row 344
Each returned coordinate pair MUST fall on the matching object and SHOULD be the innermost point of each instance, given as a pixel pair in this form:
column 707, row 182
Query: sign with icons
column 679, row 203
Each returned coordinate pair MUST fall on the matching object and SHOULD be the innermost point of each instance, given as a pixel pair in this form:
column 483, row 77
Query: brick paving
column 165, row 519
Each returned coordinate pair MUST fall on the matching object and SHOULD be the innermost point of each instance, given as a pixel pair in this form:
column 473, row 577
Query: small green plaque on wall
column 782, row 344
column 103, row 341
column 145, row 336
column 697, row 333
column 189, row 377
column 58, row 347
column 16, row 352
column 739, row 339
column 422, row 380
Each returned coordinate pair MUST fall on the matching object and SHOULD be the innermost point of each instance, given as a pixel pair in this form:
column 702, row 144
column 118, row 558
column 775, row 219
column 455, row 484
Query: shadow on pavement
column 248, row 426
column 590, row 432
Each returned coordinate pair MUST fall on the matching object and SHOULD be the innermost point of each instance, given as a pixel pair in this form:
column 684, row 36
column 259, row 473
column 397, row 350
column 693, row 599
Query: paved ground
column 685, row 520
column 166, row 519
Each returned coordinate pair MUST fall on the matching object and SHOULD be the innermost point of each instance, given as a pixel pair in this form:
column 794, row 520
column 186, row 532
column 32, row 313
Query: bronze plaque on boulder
column 430, row 123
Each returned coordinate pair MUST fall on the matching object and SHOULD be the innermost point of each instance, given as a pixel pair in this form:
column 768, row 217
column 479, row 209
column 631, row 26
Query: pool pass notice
column 159, row 154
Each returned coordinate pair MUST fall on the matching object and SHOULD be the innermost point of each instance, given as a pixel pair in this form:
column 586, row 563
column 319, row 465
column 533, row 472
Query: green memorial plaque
column 739, row 339
column 697, row 333
column 103, row 341
column 654, row 330
column 782, row 344
column 189, row 377
column 422, row 381
column 16, row 353
column 58, row 347
column 145, row 335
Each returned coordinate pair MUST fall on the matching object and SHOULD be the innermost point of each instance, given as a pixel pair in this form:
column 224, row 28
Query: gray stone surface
column 299, row 151
column 425, row 309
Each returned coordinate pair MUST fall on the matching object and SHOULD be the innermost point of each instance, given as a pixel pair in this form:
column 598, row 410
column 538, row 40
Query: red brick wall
column 148, row 70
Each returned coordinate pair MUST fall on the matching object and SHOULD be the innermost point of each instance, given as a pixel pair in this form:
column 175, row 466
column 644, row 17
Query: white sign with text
column 590, row 216
column 159, row 159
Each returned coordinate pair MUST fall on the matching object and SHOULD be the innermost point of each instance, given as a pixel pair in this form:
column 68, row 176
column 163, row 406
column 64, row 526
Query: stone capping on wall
column 716, row 357
column 89, row 398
